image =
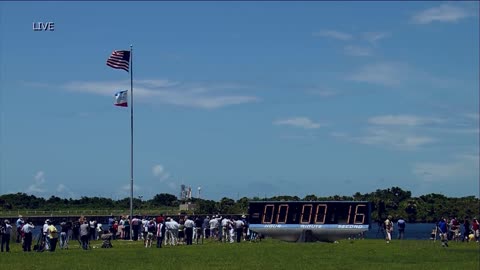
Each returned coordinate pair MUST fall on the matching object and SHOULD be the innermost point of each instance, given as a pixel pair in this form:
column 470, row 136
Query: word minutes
column 41, row 26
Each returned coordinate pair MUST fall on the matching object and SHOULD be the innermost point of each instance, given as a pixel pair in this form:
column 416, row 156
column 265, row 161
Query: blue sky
column 241, row 98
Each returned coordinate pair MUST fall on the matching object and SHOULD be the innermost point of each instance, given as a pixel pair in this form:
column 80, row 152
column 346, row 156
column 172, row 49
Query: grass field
column 268, row 254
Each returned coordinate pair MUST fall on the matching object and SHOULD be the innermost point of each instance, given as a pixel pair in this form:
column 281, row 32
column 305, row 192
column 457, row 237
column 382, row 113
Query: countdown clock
column 300, row 221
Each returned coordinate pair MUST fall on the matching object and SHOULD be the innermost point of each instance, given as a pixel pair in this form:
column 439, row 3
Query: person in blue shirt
column 401, row 228
column 442, row 228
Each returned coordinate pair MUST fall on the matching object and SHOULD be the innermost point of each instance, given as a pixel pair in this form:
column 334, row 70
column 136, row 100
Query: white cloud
column 39, row 177
column 442, row 13
column 393, row 74
column 37, row 186
column 333, row 34
column 461, row 166
column 357, row 51
column 374, row 37
column 198, row 95
column 387, row 74
column 390, row 138
column 403, row 120
column 63, row 189
column 394, row 138
column 160, row 172
column 302, row 122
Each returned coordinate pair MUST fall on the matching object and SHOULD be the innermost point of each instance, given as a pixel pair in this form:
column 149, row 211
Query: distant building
column 188, row 206
column 185, row 192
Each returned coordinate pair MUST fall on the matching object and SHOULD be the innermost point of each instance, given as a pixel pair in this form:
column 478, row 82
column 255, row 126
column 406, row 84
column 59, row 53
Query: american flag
column 119, row 60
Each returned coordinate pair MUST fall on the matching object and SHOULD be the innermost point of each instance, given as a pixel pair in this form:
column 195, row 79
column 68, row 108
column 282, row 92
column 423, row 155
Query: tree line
column 392, row 201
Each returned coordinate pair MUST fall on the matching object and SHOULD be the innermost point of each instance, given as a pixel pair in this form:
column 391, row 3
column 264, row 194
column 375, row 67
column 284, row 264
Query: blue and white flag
column 121, row 98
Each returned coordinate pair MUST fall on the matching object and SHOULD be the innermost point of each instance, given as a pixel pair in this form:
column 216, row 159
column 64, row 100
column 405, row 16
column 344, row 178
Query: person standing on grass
column 401, row 228
column 172, row 232
column 6, row 233
column 198, row 230
column 52, row 236
column 114, row 230
column 160, row 233
column 92, row 228
column 206, row 227
column 442, row 228
column 84, row 229
column 239, row 229
column 19, row 224
column 76, row 231
column 126, row 228
column 388, row 229
column 213, row 223
column 476, row 229
column 151, row 230
column 64, row 234
column 136, row 224
column 27, row 232
column 189, row 224
column 45, row 235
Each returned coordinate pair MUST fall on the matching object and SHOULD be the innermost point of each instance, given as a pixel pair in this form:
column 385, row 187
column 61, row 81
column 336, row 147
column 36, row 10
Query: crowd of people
column 445, row 229
column 184, row 230
column 181, row 230
column 454, row 230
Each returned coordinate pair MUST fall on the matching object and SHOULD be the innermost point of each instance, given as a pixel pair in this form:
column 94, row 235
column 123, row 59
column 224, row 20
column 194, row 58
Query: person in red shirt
column 476, row 229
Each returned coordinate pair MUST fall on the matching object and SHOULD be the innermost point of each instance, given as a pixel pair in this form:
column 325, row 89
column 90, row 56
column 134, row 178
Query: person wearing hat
column 6, row 235
column 388, row 229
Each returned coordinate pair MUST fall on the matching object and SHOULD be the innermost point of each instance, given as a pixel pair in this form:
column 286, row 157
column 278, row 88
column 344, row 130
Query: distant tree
column 310, row 198
column 206, row 207
column 226, row 205
column 164, row 199
column 241, row 206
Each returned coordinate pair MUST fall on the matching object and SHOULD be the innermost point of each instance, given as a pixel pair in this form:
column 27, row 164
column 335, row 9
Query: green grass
column 268, row 254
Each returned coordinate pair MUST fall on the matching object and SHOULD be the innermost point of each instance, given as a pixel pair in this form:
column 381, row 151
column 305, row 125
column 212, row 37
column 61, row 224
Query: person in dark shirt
column 64, row 234
column 198, row 229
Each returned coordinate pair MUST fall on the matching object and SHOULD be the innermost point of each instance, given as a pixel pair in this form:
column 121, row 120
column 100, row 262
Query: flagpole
column 131, row 138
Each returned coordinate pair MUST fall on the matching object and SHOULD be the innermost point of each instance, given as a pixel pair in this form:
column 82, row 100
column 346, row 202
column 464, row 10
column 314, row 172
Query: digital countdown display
column 309, row 213
column 323, row 220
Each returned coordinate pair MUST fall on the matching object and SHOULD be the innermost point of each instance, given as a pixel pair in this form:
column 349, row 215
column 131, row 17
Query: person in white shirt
column 27, row 232
column 239, row 229
column 44, row 235
column 189, row 224
column 225, row 229
column 144, row 229
column 213, row 227
column 172, row 232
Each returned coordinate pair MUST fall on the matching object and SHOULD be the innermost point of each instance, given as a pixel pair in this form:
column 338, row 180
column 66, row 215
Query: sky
column 240, row 99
